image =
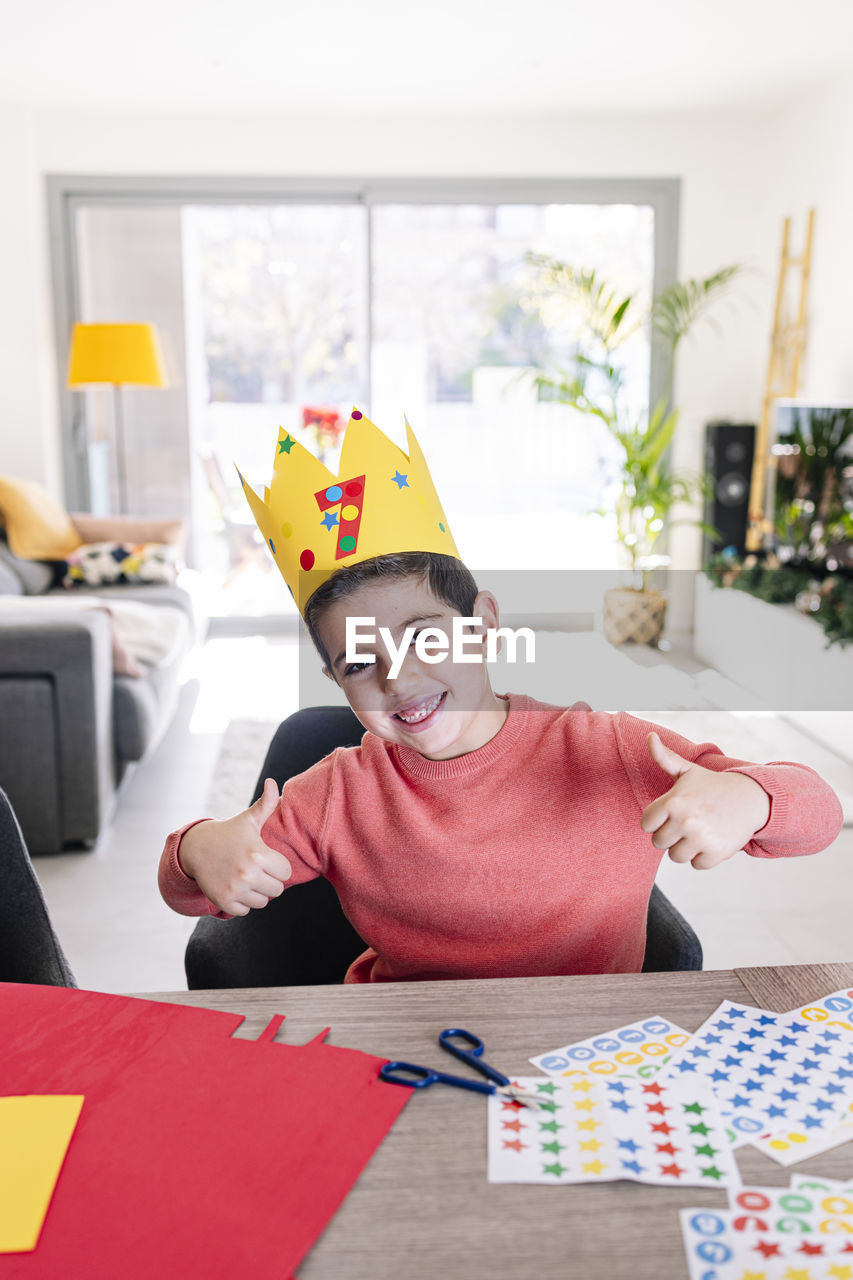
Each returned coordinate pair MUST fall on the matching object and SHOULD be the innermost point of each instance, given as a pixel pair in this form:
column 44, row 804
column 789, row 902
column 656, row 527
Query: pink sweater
column 523, row 857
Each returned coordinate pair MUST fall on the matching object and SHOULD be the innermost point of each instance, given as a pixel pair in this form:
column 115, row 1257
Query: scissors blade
column 520, row 1095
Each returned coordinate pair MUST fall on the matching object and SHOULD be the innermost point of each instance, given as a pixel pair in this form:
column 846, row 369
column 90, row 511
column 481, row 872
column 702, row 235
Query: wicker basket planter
column 632, row 616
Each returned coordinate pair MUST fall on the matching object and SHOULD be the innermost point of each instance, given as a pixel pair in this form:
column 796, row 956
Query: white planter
column 772, row 650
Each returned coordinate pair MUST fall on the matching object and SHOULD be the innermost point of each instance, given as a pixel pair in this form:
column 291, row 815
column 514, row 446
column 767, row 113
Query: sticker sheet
column 768, row 1070
column 719, row 1245
column 637, row 1050
column 665, row 1133
column 789, row 1146
column 835, row 1010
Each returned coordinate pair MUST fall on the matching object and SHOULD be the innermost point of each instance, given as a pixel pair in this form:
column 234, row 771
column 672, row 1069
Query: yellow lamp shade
column 116, row 353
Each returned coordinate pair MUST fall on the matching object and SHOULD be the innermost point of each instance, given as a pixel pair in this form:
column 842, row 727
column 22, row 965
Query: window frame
column 66, row 193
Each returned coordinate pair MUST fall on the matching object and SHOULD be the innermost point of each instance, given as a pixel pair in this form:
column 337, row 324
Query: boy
column 471, row 834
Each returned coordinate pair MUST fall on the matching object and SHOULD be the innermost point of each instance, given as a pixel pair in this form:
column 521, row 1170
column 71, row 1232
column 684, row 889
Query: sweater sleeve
column 295, row 829
column 805, row 813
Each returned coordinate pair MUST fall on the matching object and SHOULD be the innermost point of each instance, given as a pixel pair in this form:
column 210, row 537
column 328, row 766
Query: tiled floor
column 119, row 936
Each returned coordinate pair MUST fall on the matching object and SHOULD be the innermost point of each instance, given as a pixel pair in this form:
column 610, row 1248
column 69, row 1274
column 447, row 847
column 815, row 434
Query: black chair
column 303, row 938
column 29, row 948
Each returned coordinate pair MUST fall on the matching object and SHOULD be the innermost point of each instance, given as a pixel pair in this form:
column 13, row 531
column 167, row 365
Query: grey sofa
column 69, row 727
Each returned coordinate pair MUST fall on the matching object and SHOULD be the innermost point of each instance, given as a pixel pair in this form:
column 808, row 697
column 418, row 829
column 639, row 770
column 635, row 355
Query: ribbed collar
column 462, row 766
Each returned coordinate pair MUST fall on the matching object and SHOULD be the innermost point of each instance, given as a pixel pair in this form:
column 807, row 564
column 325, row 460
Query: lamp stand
column 121, row 457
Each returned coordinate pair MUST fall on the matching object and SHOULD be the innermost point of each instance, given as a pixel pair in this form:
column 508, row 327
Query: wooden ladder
column 787, row 344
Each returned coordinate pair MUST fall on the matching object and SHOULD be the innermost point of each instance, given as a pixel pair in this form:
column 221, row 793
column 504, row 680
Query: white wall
column 739, row 179
column 29, row 441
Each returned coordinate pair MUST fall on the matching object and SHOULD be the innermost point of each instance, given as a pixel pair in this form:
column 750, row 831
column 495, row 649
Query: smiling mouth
column 418, row 712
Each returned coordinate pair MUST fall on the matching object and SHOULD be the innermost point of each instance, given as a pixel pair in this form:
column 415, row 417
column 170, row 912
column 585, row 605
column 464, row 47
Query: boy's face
column 442, row 709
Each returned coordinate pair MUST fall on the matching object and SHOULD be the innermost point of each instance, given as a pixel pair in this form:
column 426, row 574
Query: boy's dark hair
column 448, row 579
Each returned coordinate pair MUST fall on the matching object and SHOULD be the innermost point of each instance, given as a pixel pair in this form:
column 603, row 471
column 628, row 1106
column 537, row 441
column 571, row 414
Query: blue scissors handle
column 421, row 1077
column 472, row 1055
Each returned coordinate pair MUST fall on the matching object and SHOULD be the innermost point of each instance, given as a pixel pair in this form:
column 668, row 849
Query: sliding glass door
column 290, row 311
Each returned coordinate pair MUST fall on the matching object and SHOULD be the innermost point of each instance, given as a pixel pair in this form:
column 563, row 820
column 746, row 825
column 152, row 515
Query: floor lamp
column 119, row 354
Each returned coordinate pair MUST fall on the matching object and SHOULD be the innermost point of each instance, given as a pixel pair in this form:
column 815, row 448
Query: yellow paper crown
column 381, row 501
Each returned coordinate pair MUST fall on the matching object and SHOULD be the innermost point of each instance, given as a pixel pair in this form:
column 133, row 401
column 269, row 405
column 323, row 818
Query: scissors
column 421, row 1077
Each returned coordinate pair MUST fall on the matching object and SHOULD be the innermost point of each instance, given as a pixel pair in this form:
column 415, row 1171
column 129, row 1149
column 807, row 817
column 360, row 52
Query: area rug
column 244, row 746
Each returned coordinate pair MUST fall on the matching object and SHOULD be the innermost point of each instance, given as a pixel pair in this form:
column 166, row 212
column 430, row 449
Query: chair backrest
column 303, row 938
column 29, row 948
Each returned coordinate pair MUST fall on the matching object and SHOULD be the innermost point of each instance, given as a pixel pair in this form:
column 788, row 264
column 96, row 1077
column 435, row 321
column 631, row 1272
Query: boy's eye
column 355, row 667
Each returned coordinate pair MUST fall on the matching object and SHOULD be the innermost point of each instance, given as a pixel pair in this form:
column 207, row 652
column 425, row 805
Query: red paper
column 195, row 1154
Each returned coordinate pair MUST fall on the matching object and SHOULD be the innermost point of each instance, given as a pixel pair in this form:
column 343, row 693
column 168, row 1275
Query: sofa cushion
column 36, row 527
column 106, row 563
column 34, row 576
column 10, row 583
column 128, row 528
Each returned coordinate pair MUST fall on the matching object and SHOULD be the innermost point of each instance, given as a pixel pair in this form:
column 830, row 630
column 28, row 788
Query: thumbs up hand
column 230, row 862
column 705, row 817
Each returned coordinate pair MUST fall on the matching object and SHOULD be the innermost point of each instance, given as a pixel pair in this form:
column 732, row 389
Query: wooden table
column 423, row 1210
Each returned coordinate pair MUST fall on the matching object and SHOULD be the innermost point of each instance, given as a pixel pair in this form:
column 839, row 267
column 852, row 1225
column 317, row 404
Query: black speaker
column 729, row 449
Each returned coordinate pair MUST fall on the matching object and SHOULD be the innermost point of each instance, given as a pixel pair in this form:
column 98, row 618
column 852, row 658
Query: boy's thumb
column 266, row 803
column 668, row 760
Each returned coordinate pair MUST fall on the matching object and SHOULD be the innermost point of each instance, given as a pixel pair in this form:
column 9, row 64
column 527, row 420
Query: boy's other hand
column 230, row 862
column 705, row 817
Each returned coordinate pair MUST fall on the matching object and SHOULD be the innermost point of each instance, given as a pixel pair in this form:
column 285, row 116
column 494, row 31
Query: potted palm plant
column 592, row 381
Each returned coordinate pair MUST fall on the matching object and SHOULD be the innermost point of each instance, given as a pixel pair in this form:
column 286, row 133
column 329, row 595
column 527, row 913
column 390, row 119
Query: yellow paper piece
column 35, row 1131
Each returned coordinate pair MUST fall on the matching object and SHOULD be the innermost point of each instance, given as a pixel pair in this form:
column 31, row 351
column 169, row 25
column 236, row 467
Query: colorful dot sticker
column 356, row 413
column 287, row 529
column 639, row 1050
column 306, row 560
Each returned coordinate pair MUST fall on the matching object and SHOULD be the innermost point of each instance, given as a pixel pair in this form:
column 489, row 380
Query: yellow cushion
column 36, row 527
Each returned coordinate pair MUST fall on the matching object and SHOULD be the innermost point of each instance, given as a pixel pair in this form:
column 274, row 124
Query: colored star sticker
column 672, row 1170
column 667, row 1148
column 555, row 1147
column 592, row 1144
column 583, row 1085
column 556, row 1168
column 593, row 1166
column 616, row 1086
column 622, row 1105
column 706, row 1150
column 515, row 1145
column 633, row 1165
column 840, row 1271
column 588, row 1124
column 807, row 1247
column 658, row 1107
column 329, row 520
column 662, row 1127
column 701, row 1127
column 512, row 1124
column 628, row 1144
column 550, row 1126
column 694, row 1107
column 551, row 1106
column 514, row 1105
column 711, row 1172
column 798, row 1273
column 768, row 1250
column 546, row 1088
column 653, row 1088
column 402, row 482
column 285, row 445
column 588, row 1104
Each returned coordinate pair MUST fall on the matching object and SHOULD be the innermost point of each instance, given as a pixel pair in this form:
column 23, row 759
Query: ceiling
column 430, row 56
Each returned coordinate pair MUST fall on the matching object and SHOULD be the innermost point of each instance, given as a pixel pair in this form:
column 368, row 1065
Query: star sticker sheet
column 667, row 1134
column 789, row 1146
column 637, row 1050
column 772, row 1233
column 768, row 1070
column 833, row 1014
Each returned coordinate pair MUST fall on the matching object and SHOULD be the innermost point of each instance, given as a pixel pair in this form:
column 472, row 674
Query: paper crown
column 381, row 501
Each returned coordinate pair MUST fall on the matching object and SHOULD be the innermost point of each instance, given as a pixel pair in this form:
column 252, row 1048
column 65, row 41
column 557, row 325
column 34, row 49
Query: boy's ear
column 486, row 607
